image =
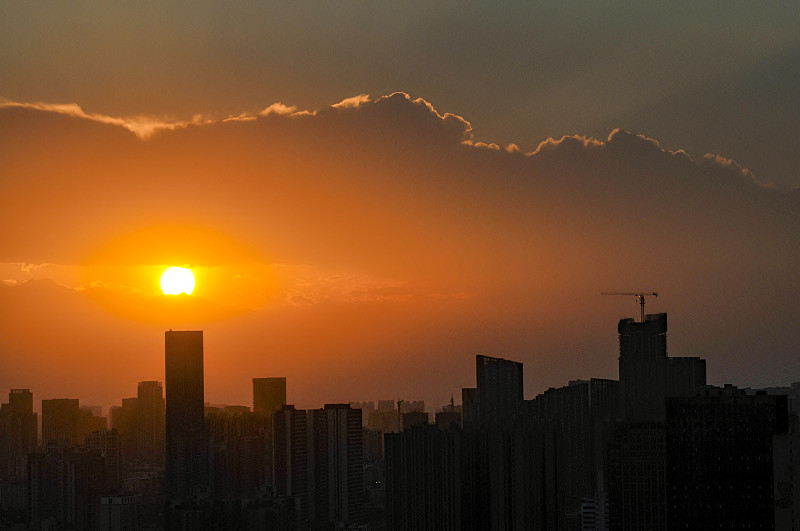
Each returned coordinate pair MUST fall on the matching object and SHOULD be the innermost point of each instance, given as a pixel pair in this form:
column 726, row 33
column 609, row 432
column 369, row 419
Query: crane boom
column 639, row 297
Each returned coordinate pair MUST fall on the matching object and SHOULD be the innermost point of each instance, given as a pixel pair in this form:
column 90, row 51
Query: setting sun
column 177, row 280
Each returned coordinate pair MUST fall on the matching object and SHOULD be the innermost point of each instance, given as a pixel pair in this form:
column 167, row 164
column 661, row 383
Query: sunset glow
column 353, row 220
column 385, row 232
column 177, row 280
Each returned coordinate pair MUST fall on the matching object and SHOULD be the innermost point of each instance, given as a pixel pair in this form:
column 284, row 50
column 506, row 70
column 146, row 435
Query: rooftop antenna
column 639, row 297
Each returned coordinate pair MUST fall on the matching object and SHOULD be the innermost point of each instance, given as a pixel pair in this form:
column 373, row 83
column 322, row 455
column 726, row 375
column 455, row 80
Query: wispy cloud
column 352, row 102
column 279, row 108
column 141, row 126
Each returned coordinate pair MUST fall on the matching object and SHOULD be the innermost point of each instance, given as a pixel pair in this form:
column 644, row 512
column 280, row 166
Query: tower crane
column 639, row 297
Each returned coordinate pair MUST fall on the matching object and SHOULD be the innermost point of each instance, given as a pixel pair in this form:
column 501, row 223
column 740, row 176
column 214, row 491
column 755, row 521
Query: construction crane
column 639, row 296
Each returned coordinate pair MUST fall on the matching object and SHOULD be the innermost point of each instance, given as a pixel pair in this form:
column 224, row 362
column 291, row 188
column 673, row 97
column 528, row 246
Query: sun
column 177, row 280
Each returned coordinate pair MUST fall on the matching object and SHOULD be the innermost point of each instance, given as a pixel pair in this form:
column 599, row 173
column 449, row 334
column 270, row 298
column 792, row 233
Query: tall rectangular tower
column 186, row 445
column 338, row 456
column 61, row 421
column 290, row 461
column 647, row 376
column 18, row 426
column 150, row 423
column 499, row 390
column 269, row 394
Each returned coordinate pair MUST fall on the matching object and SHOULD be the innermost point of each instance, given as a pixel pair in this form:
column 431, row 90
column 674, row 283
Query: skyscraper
column 424, row 487
column 720, row 451
column 337, row 451
column 269, row 394
column 106, row 444
column 150, row 423
column 637, row 451
column 17, row 428
column 290, row 456
column 647, row 376
column 186, row 444
column 499, row 394
column 61, row 421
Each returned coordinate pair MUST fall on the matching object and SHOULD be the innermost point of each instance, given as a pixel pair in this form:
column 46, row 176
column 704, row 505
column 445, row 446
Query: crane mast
column 639, row 297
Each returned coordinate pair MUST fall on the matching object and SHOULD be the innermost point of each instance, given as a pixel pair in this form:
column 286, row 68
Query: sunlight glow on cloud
column 279, row 108
column 352, row 102
column 142, row 126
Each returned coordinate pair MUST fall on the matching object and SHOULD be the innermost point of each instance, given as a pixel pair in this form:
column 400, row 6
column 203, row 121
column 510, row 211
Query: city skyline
column 345, row 265
column 573, row 455
column 432, row 405
column 272, row 390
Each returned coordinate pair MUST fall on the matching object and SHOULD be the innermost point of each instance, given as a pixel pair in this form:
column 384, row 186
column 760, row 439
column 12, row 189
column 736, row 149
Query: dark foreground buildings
column 719, row 448
column 656, row 450
column 318, row 461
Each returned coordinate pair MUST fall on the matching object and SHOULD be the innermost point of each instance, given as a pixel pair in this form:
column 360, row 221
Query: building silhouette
column 18, row 430
column 499, row 472
column 124, row 421
column 337, row 479
column 579, row 413
column 62, row 420
column 149, row 422
column 423, row 478
column 787, row 481
column 105, row 443
column 637, row 476
column 269, row 394
column 720, row 464
column 469, row 407
column 187, row 468
column 241, row 447
column 636, row 454
column 499, row 389
column 64, row 485
column 290, row 457
column 318, row 460
column 647, row 376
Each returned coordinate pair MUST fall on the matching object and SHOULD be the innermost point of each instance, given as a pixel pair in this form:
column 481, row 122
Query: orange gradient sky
column 370, row 249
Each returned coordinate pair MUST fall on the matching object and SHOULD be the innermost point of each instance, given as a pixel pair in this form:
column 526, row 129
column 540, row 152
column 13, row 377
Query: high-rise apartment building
column 269, row 394
column 63, row 486
column 499, row 389
column 636, row 459
column 150, row 430
column 17, row 429
column 241, row 447
column 579, row 412
column 123, row 419
column 647, row 376
column 338, row 457
column 186, row 442
column 720, row 451
column 424, row 487
column 318, row 458
column 62, row 421
column 290, row 456
column 106, row 444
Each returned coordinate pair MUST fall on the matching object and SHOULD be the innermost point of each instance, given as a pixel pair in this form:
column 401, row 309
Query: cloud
column 279, row 108
column 567, row 142
column 354, row 102
column 142, row 126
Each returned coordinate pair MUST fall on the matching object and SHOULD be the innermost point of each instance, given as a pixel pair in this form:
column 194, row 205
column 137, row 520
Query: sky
column 372, row 193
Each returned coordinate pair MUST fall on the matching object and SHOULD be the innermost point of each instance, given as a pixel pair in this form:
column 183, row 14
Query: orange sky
column 370, row 249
